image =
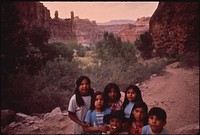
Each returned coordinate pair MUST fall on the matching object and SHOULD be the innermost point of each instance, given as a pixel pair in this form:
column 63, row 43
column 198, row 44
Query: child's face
column 99, row 101
column 112, row 94
column 156, row 124
column 131, row 95
column 116, row 122
column 84, row 87
column 139, row 113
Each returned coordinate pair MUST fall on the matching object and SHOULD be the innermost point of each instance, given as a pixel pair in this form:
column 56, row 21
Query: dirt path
column 177, row 91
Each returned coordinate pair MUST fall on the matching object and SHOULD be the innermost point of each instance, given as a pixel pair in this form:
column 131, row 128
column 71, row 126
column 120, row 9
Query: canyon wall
column 83, row 31
column 174, row 27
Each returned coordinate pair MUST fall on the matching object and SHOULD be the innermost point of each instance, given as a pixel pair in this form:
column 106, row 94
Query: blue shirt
column 146, row 130
column 128, row 109
column 96, row 118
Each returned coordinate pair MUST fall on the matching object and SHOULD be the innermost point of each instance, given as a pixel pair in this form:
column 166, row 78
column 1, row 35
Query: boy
column 157, row 121
column 115, row 122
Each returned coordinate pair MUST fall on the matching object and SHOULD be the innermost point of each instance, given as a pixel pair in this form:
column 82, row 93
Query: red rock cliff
column 174, row 27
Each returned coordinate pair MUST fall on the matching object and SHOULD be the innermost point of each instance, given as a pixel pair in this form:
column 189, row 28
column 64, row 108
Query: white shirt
column 79, row 111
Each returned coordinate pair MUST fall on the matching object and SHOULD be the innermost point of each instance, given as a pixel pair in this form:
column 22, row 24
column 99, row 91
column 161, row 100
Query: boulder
column 189, row 129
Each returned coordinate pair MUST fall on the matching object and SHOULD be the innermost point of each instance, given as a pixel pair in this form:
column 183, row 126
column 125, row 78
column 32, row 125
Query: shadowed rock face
column 7, row 116
column 174, row 27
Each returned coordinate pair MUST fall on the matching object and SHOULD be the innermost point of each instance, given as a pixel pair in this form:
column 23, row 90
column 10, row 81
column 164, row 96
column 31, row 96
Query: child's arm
column 73, row 117
column 102, row 128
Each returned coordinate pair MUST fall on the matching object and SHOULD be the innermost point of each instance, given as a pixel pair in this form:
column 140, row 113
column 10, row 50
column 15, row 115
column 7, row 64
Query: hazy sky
column 102, row 11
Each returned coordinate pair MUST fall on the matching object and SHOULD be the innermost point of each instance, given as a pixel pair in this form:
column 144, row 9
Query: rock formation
column 174, row 27
column 33, row 13
column 132, row 31
column 86, row 31
column 62, row 29
column 55, row 122
column 82, row 31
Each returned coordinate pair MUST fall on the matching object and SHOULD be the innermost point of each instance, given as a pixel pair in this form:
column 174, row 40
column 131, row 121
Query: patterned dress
column 115, row 106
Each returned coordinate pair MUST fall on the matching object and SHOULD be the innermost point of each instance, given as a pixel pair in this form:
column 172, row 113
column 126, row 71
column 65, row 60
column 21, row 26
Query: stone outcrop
column 174, row 27
column 33, row 13
column 189, row 129
column 132, row 31
column 86, row 31
column 36, row 14
column 55, row 122
column 62, row 30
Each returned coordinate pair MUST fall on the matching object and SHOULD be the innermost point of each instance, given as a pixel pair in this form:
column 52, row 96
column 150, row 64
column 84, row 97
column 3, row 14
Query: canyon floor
column 176, row 91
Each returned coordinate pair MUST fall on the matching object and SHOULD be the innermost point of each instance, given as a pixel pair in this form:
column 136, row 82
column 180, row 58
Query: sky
column 102, row 11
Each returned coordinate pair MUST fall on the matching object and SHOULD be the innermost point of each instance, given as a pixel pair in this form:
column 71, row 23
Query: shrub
column 58, row 51
column 189, row 60
column 119, row 71
column 40, row 93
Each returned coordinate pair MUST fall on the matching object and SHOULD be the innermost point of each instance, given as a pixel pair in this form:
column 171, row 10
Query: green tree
column 59, row 51
column 112, row 47
column 144, row 45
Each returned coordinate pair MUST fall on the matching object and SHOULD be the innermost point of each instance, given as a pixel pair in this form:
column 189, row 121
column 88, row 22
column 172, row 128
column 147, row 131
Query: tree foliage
column 144, row 45
column 112, row 47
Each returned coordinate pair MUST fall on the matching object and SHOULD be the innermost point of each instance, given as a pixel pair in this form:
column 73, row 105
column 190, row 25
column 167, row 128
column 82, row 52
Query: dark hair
column 92, row 107
column 158, row 112
column 138, row 95
column 119, row 114
column 138, row 105
column 79, row 98
column 107, row 89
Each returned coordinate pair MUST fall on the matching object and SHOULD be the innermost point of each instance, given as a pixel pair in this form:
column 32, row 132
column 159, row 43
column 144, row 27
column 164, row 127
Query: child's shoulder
column 107, row 110
column 90, row 111
column 73, row 97
column 146, row 128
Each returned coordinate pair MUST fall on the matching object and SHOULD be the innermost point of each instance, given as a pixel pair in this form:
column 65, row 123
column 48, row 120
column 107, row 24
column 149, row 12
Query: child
column 157, row 121
column 80, row 103
column 112, row 95
column 94, row 116
column 132, row 95
column 115, row 120
column 138, row 117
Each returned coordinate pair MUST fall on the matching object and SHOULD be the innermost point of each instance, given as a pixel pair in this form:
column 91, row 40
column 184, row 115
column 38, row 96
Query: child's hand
column 103, row 128
column 113, row 130
column 85, row 124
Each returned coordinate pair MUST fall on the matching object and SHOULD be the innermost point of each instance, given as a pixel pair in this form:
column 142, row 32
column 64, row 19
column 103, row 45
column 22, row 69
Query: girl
column 132, row 95
column 80, row 103
column 139, row 117
column 112, row 96
column 95, row 115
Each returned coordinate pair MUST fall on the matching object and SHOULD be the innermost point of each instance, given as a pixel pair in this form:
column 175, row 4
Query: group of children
column 104, row 113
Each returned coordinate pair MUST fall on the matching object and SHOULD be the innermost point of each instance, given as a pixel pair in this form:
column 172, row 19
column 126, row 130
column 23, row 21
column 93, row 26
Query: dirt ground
column 177, row 91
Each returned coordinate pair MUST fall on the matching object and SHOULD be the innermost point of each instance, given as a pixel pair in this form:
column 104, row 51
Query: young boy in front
column 157, row 121
column 115, row 122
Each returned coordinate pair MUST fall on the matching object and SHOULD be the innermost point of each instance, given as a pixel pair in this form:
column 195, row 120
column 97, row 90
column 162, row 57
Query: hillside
column 177, row 91
column 114, row 22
